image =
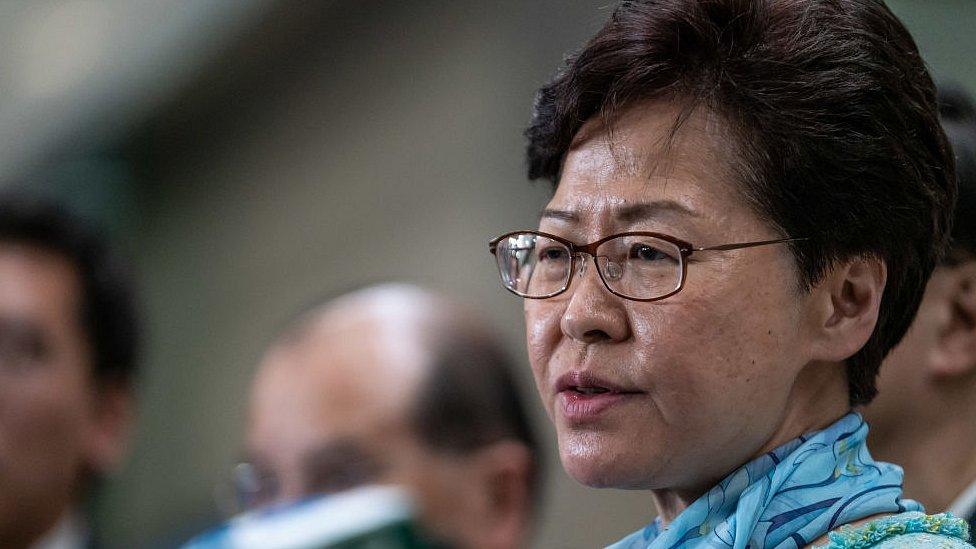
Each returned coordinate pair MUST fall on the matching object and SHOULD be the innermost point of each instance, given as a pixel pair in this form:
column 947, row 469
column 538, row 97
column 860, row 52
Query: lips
column 585, row 397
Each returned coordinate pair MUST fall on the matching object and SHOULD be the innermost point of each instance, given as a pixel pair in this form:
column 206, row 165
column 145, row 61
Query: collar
column 787, row 497
column 965, row 504
column 68, row 533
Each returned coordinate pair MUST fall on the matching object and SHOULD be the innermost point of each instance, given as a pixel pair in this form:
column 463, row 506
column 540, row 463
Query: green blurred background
column 252, row 155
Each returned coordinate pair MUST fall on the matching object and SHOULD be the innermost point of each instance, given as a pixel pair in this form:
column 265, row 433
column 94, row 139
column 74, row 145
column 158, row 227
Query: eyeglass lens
column 634, row 266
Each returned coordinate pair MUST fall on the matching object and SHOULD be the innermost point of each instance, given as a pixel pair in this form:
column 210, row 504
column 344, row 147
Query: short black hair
column 959, row 121
column 470, row 399
column 108, row 316
column 832, row 118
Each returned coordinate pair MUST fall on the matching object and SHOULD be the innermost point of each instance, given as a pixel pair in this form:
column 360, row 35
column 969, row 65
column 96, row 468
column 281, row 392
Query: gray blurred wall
column 338, row 144
column 384, row 145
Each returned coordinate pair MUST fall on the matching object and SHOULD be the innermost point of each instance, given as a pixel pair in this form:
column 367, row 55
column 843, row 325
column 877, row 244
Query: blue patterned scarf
column 787, row 498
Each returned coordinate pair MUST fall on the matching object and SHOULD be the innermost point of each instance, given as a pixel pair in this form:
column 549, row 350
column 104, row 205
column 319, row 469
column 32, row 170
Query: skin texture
column 346, row 384
column 925, row 403
column 56, row 426
column 737, row 363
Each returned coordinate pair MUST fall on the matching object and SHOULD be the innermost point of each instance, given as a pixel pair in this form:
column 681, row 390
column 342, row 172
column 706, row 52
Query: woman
column 749, row 197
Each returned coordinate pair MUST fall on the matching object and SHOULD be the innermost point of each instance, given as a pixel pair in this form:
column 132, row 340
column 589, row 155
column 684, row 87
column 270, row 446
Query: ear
column 955, row 352
column 846, row 308
column 504, row 473
column 110, row 425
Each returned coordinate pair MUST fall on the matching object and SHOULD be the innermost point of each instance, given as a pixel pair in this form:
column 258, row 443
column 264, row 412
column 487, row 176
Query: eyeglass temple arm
column 740, row 245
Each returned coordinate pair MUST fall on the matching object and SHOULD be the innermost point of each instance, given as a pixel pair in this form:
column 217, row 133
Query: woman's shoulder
column 922, row 540
column 904, row 530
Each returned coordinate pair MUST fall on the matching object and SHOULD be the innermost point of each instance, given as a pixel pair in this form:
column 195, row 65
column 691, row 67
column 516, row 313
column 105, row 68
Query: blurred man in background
column 926, row 405
column 68, row 335
column 393, row 385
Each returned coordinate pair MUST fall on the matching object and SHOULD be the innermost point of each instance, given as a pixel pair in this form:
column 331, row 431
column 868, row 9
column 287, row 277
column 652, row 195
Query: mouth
column 586, row 383
column 585, row 397
column 590, row 390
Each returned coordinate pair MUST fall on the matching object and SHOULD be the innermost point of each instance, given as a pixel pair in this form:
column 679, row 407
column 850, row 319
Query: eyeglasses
column 639, row 266
column 331, row 467
column 246, row 488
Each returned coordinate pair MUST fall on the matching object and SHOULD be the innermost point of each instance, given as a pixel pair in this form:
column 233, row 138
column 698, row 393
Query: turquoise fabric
column 788, row 497
column 907, row 530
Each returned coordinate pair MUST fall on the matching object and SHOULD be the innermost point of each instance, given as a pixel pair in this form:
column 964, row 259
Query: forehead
column 37, row 285
column 352, row 375
column 645, row 157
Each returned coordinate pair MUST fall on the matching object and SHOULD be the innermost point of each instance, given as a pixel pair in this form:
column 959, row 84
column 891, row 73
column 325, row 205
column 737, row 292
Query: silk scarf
column 788, row 497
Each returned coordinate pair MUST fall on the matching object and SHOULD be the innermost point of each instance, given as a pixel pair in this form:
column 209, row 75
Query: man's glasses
column 331, row 467
column 640, row 266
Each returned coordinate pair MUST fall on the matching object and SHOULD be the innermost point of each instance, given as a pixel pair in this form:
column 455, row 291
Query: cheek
column 42, row 409
column 542, row 333
column 905, row 368
column 42, row 421
column 704, row 353
column 434, row 482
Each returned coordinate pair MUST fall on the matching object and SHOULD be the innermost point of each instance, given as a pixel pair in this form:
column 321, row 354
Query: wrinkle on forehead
column 695, row 136
column 639, row 161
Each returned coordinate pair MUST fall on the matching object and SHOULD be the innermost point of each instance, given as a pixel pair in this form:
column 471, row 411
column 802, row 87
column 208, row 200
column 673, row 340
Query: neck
column 670, row 504
column 939, row 459
column 819, row 397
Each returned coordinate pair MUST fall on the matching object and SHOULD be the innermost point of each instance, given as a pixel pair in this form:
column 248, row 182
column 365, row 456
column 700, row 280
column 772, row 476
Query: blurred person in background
column 926, row 404
column 68, row 342
column 393, row 385
column 749, row 197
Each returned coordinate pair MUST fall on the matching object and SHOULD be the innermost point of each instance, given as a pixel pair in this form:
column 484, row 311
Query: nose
column 593, row 314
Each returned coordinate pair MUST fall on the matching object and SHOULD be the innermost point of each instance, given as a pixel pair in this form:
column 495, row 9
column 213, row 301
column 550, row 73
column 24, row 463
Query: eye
column 644, row 252
column 22, row 345
column 553, row 254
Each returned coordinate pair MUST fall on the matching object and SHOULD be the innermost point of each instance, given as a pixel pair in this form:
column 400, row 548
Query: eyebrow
column 630, row 213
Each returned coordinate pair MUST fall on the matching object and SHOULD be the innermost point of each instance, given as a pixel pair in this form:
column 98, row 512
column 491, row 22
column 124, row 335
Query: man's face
column 905, row 381
column 331, row 411
column 708, row 371
column 47, row 419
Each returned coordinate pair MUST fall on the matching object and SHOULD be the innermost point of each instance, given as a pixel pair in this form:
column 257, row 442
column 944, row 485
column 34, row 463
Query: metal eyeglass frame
column 576, row 251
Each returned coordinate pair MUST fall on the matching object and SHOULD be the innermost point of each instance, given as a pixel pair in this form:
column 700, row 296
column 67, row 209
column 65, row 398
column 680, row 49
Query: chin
column 603, row 466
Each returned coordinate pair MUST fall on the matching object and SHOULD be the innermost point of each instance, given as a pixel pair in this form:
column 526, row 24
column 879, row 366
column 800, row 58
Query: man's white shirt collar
column 965, row 504
column 68, row 533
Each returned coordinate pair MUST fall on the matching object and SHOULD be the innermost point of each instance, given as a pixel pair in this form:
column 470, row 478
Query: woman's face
column 698, row 382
